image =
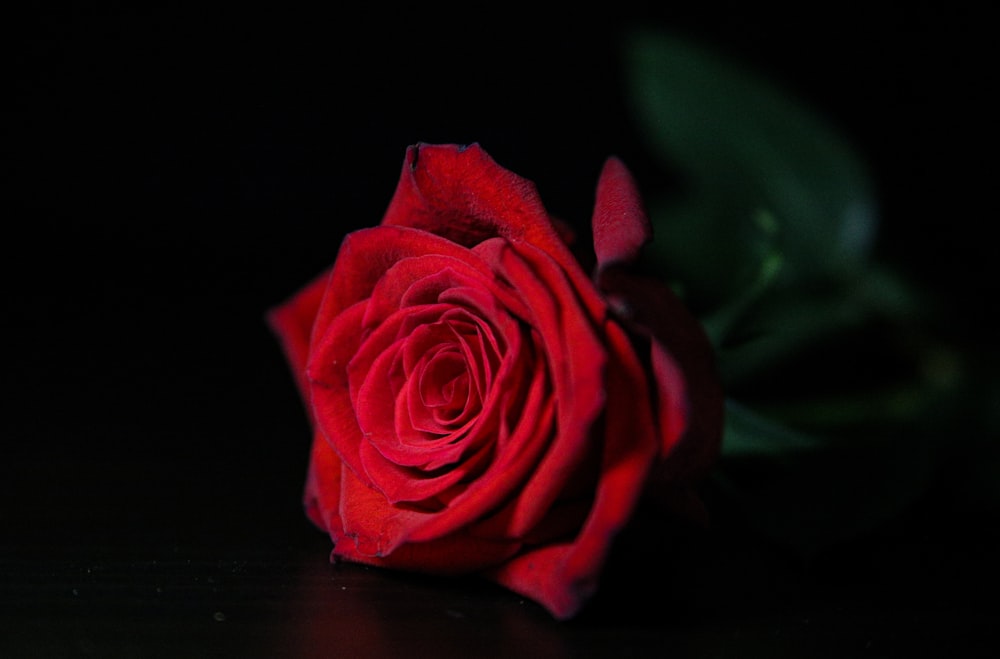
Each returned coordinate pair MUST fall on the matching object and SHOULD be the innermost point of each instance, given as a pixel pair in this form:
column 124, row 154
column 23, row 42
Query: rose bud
column 480, row 403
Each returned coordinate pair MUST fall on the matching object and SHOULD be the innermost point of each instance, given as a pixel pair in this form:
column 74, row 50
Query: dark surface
column 172, row 174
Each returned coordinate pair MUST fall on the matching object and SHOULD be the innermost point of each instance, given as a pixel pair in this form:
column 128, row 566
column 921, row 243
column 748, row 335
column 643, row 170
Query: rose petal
column 462, row 194
column 364, row 258
column 519, row 448
column 576, row 360
column 656, row 311
column 322, row 490
column 562, row 577
column 620, row 224
column 383, row 406
column 329, row 390
column 671, row 391
column 456, row 553
column 423, row 280
column 292, row 322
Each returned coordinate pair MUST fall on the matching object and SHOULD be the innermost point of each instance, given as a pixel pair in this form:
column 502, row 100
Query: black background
column 172, row 173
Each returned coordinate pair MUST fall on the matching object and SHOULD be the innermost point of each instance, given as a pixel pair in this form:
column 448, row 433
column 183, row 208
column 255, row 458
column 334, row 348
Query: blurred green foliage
column 840, row 400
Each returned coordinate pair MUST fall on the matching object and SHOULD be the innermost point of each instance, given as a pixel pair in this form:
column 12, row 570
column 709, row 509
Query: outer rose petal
column 564, row 576
column 576, row 360
column 324, row 500
column 620, row 225
column 462, row 194
column 322, row 491
column 656, row 311
column 680, row 351
column 293, row 321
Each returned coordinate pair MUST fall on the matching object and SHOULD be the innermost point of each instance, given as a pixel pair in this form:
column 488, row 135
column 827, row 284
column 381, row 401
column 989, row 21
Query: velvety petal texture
column 479, row 403
column 620, row 225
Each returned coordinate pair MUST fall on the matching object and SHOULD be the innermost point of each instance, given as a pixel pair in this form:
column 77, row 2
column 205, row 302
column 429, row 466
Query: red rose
column 480, row 404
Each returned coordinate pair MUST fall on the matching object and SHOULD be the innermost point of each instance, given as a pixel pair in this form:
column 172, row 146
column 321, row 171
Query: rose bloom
column 481, row 404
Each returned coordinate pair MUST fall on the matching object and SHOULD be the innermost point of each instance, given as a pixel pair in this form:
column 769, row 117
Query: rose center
column 444, row 385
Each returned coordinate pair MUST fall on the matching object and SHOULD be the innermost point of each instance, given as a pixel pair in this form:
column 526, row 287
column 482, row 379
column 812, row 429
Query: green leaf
column 776, row 326
column 743, row 144
column 748, row 434
column 809, row 491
